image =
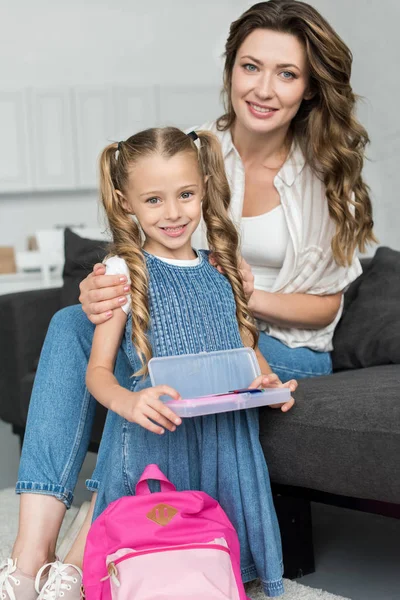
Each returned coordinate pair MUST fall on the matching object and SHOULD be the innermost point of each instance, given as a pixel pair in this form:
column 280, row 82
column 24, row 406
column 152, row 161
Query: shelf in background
column 11, row 283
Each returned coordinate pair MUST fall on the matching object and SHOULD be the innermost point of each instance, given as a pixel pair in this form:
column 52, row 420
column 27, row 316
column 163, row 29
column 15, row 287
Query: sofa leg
column 294, row 516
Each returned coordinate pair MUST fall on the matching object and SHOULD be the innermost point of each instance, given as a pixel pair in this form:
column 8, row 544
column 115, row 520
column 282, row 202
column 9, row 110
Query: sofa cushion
column 369, row 332
column 342, row 436
column 80, row 256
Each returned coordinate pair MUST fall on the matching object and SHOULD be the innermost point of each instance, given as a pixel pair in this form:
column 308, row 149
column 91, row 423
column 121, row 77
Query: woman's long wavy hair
column 116, row 163
column 325, row 127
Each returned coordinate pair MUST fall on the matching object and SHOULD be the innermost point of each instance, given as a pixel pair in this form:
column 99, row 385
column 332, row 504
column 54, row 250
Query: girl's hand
column 245, row 272
column 271, row 381
column 145, row 405
column 101, row 294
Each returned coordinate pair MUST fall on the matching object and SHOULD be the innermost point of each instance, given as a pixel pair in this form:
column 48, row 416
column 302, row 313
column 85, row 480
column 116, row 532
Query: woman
column 293, row 152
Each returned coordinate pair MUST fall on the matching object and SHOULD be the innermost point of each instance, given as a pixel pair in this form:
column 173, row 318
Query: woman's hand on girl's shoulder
column 100, row 294
column 272, row 380
column 245, row 271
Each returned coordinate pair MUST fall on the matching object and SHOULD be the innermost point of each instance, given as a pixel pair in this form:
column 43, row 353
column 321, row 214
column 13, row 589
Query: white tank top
column 264, row 241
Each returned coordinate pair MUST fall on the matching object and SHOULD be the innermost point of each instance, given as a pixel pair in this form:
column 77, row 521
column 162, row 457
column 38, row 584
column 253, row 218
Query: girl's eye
column 249, row 67
column 288, row 75
column 186, row 195
column 153, row 200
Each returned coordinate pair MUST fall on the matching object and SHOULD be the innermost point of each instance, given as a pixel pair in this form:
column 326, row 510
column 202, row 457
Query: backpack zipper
column 112, row 566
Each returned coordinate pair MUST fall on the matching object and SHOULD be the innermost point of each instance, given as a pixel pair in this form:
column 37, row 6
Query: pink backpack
column 170, row 545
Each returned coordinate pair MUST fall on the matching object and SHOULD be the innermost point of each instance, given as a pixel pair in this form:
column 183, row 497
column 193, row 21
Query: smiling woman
column 291, row 142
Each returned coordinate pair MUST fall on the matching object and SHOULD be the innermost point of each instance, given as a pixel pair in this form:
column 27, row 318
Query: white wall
column 99, row 41
column 50, row 43
column 370, row 28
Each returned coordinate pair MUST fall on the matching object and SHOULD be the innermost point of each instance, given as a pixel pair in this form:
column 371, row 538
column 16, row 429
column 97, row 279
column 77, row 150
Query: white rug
column 8, row 527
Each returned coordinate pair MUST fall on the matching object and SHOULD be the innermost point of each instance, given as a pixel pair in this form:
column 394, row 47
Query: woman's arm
column 304, row 311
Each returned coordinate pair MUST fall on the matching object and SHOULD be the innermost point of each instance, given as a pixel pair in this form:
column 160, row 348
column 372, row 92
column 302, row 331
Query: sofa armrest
column 24, row 319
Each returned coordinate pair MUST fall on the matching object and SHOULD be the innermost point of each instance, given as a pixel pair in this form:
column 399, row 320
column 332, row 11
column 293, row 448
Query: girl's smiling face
column 269, row 80
column 165, row 196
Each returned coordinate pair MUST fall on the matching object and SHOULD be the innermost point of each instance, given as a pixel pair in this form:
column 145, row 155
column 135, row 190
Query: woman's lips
column 261, row 112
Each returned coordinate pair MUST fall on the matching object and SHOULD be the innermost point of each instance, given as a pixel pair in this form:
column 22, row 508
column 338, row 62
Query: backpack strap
column 153, row 472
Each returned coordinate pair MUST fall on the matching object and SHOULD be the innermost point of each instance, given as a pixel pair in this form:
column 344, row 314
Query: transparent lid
column 206, row 373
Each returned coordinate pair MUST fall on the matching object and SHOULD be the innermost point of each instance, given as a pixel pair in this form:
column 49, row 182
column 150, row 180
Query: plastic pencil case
column 209, row 405
column 209, row 373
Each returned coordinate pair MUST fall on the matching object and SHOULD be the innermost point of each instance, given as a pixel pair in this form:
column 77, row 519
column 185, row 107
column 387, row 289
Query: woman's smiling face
column 269, row 80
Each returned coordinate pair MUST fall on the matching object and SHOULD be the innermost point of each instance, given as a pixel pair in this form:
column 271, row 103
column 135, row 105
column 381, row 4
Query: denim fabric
column 52, row 456
column 219, row 454
column 293, row 363
column 61, row 410
column 193, row 310
column 60, row 420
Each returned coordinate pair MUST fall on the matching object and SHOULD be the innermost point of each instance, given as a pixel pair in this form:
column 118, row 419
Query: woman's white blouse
column 264, row 240
column 309, row 266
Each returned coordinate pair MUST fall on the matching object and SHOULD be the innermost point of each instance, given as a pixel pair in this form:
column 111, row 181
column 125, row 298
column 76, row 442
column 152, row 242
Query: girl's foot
column 16, row 585
column 64, row 582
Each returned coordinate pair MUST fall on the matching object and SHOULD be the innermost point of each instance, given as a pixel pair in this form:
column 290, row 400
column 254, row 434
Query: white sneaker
column 73, row 531
column 63, row 581
column 14, row 584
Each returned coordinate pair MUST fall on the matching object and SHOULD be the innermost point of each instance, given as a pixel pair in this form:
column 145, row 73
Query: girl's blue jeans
column 61, row 410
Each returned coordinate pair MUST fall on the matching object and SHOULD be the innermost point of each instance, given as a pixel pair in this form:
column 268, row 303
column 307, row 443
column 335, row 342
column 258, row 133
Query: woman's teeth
column 260, row 109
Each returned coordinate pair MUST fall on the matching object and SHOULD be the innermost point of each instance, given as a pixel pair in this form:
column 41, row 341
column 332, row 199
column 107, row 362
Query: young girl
column 154, row 187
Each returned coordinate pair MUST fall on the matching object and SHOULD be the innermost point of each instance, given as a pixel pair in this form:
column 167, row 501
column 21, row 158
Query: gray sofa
column 341, row 442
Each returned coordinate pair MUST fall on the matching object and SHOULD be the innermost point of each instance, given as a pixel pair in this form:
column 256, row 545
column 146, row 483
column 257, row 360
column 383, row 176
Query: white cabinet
column 105, row 115
column 51, row 138
column 15, row 142
column 54, row 150
column 187, row 106
column 95, row 117
column 135, row 109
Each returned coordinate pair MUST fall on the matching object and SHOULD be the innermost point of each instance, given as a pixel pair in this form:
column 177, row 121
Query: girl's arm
column 145, row 407
column 264, row 366
column 304, row 311
column 248, row 342
column 100, row 378
column 268, row 378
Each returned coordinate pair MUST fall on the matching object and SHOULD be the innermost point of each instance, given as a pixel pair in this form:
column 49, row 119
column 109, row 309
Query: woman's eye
column 249, row 67
column 288, row 75
column 186, row 195
column 152, row 200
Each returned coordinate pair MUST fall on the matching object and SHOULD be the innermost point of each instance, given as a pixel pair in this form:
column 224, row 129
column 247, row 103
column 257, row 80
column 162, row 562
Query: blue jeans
column 61, row 410
column 293, row 363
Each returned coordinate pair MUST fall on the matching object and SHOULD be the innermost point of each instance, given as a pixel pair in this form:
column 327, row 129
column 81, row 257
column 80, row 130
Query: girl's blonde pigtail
column 127, row 243
column 222, row 236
